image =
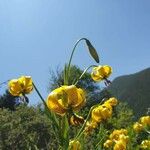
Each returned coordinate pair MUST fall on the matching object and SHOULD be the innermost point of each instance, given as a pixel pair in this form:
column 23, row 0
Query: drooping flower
column 112, row 101
column 137, row 127
column 101, row 112
column 120, row 145
column 20, row 86
column 66, row 98
column 101, row 72
column 74, row 145
column 104, row 111
column 145, row 120
column 115, row 135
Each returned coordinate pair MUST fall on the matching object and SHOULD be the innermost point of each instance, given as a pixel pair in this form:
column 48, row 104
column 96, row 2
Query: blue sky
column 38, row 35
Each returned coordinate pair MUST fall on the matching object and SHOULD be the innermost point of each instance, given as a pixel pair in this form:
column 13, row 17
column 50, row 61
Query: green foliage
column 25, row 128
column 8, row 101
column 122, row 116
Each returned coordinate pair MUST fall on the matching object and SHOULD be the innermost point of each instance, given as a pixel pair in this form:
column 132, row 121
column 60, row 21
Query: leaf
column 65, row 74
column 92, row 51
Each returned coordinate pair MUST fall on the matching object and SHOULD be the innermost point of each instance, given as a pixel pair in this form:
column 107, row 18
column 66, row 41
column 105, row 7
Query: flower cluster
column 145, row 144
column 118, row 139
column 143, row 122
column 101, row 113
column 20, row 86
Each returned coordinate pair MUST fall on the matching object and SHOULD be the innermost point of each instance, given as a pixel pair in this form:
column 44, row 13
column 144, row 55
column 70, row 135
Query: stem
column 82, row 129
column 68, row 68
column 40, row 95
column 83, row 73
column 99, row 142
column 4, row 82
column 147, row 131
column 52, row 116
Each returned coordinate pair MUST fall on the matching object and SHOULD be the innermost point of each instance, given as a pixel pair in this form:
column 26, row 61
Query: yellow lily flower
column 96, row 115
column 137, row 127
column 145, row 120
column 115, row 135
column 145, row 144
column 20, row 86
column 101, row 112
column 101, row 72
column 66, row 98
column 120, row 145
column 112, row 101
column 74, row 145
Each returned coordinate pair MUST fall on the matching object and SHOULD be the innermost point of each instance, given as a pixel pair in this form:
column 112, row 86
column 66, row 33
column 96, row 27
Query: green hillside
column 133, row 89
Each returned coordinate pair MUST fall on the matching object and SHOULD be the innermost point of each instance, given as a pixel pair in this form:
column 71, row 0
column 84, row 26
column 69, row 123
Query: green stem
column 69, row 64
column 99, row 142
column 147, row 131
column 4, row 82
column 82, row 129
column 40, row 95
column 52, row 116
column 83, row 73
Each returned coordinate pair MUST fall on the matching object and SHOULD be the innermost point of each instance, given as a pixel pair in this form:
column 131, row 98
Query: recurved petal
column 95, row 77
column 26, row 83
column 96, row 115
column 72, row 94
column 81, row 100
column 14, row 87
column 55, row 104
column 107, row 70
column 112, row 101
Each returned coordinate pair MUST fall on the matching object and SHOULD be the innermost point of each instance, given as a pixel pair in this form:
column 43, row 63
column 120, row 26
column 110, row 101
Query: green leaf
column 65, row 74
column 92, row 51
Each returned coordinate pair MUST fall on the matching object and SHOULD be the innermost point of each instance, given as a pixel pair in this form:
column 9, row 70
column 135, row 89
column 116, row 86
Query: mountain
column 133, row 89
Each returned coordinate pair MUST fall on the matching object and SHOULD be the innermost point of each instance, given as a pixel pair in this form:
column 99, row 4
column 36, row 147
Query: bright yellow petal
column 145, row 120
column 56, row 104
column 26, row 83
column 14, row 87
column 120, row 145
column 81, row 100
column 96, row 75
column 72, row 95
column 96, row 115
column 112, row 101
column 107, row 71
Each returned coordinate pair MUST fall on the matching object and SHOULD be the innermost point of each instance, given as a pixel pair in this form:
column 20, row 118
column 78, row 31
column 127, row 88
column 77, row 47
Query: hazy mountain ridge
column 133, row 89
